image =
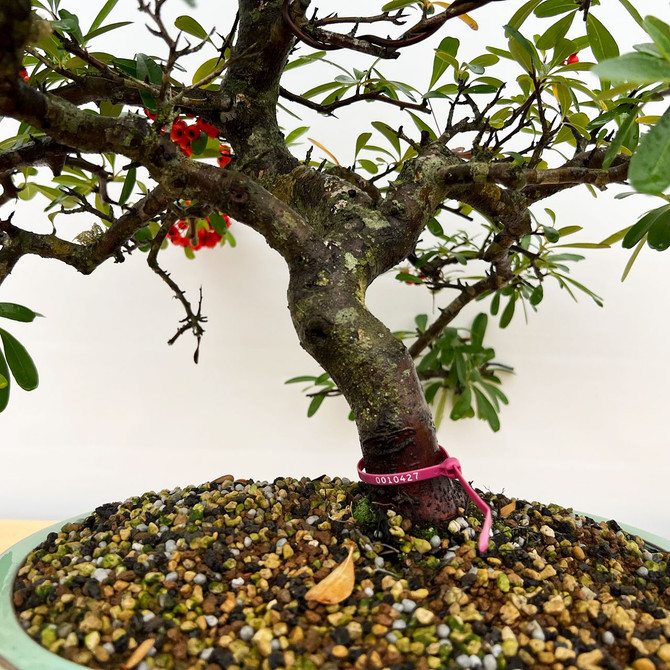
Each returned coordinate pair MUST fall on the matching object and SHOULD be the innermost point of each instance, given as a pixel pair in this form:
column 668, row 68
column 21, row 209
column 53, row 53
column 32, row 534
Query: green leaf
column 462, row 405
column 617, row 140
column 101, row 16
column 305, row 60
column 421, row 321
column 632, row 259
column 658, row 237
column 495, row 304
column 478, row 329
column 4, row 390
column 388, row 132
column 300, row 379
column 315, row 404
column 147, row 69
column 553, row 34
column 205, row 69
column 602, row 43
column 295, row 134
column 649, row 170
column 107, row 29
column 10, row 310
column 448, row 46
column 554, row 7
column 20, row 362
column 633, row 12
column 537, row 295
column 508, row 312
column 189, row 25
column 551, row 234
column 660, row 33
column 636, row 68
column 486, row 411
column 128, row 184
column 218, row 223
column 523, row 13
column 361, row 142
column 522, row 50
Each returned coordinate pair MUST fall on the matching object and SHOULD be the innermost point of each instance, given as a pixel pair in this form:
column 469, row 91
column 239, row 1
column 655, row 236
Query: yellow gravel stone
column 423, row 616
column 339, row 650
column 664, row 652
column 643, row 664
column 554, row 605
column 379, row 630
column 590, row 660
column 509, row 613
column 578, row 553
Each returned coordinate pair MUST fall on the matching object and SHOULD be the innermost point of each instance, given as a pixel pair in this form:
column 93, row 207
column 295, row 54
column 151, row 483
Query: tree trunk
column 376, row 374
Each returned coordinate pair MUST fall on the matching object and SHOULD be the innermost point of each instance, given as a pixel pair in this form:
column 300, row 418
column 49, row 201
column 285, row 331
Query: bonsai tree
column 446, row 198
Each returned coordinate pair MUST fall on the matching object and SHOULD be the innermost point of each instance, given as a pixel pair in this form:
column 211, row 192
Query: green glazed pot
column 20, row 652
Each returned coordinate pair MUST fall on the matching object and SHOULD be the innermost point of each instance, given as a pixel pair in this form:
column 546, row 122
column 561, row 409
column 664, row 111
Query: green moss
column 364, row 514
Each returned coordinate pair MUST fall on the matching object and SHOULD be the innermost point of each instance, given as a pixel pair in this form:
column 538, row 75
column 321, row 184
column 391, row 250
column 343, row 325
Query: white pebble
column 206, row 653
column 211, row 620
column 496, row 650
column 247, row 541
column 408, row 605
column 489, row 662
column 148, row 616
column 435, row 541
column 397, row 606
column 368, row 591
column 138, row 546
column 275, row 645
column 200, row 579
column 608, row 638
column 101, row 574
column 399, row 624
column 391, row 638
column 281, row 542
column 109, row 648
column 311, row 520
column 251, row 512
column 538, row 634
column 170, row 546
column 642, row 571
column 237, row 582
column 246, row 633
column 463, row 661
column 379, row 561
column 171, row 577
column 443, row 631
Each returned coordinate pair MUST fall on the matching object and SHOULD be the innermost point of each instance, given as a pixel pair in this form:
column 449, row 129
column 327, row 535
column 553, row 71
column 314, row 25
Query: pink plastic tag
column 450, row 467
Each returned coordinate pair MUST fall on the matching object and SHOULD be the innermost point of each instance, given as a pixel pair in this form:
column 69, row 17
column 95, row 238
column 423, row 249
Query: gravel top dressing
column 215, row 576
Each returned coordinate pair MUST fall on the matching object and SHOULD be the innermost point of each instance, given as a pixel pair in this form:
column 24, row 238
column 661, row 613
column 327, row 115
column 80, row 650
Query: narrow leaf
column 602, row 43
column 101, row 16
column 128, row 185
column 189, row 25
column 20, row 362
column 315, row 404
column 4, row 390
column 10, row 310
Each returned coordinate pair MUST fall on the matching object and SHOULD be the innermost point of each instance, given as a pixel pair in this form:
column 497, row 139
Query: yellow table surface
column 13, row 530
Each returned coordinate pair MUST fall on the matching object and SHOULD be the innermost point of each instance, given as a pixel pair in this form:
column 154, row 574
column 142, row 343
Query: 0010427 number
column 398, row 479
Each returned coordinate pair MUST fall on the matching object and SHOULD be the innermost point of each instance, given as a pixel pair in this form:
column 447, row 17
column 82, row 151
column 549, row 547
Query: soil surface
column 215, row 576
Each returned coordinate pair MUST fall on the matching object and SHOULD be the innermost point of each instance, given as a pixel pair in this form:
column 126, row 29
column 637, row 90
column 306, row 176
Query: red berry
column 149, row 114
column 23, row 73
column 573, row 58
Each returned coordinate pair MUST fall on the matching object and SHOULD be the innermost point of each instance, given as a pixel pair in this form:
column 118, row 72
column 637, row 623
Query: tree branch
column 372, row 95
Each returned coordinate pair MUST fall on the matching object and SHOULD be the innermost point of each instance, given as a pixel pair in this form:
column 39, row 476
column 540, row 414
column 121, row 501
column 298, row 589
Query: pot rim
column 18, row 651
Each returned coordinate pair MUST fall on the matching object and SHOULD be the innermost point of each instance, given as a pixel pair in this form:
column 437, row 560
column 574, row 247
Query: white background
column 118, row 412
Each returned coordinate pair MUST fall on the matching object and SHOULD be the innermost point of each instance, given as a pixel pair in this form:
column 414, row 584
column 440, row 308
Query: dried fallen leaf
column 138, row 655
column 507, row 509
column 337, row 586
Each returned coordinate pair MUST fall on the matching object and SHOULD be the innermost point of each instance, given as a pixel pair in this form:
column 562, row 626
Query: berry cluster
column 184, row 234
column 23, row 73
column 187, row 233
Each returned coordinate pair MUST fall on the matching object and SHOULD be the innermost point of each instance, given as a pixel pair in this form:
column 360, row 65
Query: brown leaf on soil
column 337, row 586
column 138, row 655
column 507, row 509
